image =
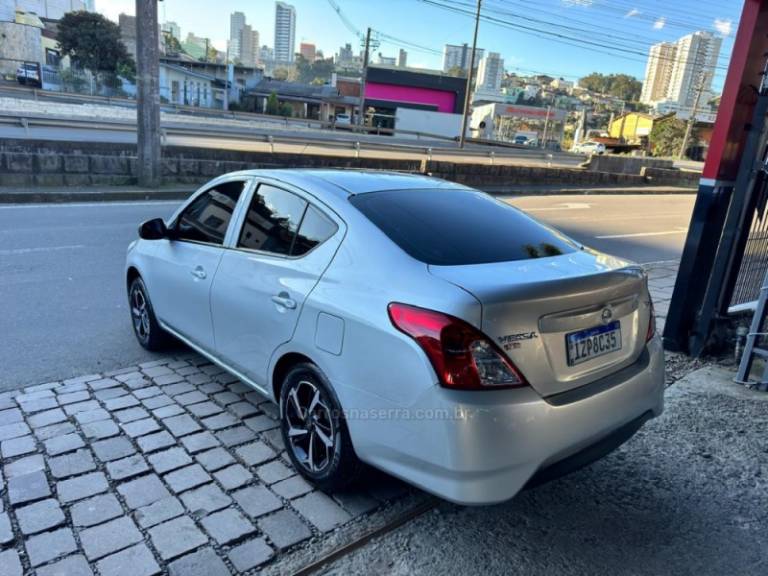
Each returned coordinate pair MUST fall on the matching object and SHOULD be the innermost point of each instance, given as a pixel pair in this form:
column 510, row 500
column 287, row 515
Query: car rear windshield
column 457, row 227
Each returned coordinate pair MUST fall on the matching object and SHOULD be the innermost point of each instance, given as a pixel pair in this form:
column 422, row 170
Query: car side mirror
column 154, row 229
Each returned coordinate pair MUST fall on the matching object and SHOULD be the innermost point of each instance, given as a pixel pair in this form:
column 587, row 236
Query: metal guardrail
column 28, row 121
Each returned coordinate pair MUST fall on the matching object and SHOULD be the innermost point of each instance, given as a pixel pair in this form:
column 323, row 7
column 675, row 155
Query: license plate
column 587, row 344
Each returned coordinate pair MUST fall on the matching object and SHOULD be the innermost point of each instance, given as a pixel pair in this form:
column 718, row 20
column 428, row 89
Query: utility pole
column 363, row 81
column 467, row 95
column 546, row 125
column 148, row 93
column 692, row 119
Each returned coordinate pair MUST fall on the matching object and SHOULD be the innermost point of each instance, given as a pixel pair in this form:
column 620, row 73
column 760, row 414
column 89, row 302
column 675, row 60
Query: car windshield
column 459, row 226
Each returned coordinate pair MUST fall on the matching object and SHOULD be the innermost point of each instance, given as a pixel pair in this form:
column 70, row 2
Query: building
column 21, row 40
column 127, row 26
column 196, row 46
column 308, row 51
column 172, row 29
column 458, row 56
column 285, row 32
column 236, row 26
column 562, row 85
column 489, row 73
column 389, row 89
column 51, row 9
column 632, row 127
column 677, row 71
column 321, row 102
column 386, row 60
column 402, row 59
column 658, row 72
column 497, row 121
column 185, row 87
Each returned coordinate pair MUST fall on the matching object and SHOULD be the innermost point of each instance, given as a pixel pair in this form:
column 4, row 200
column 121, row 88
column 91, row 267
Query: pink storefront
column 388, row 89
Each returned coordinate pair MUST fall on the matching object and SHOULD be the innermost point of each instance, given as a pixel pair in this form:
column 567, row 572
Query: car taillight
column 651, row 322
column 463, row 357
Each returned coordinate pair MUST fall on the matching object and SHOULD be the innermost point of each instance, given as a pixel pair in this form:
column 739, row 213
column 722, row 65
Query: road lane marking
column 643, row 234
column 560, row 207
column 16, row 251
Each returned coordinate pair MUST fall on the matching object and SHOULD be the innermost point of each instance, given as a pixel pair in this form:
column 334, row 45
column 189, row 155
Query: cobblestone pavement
column 170, row 467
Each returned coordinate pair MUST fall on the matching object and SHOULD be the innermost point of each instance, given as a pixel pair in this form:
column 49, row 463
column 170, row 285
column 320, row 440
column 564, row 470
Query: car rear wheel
column 314, row 430
column 145, row 325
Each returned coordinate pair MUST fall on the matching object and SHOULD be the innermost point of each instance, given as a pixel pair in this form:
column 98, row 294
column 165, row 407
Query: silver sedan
column 412, row 324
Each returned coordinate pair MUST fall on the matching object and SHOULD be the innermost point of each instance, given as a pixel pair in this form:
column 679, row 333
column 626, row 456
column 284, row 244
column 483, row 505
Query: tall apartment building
column 490, row 71
column 285, row 32
column 236, row 26
column 402, row 59
column 676, row 71
column 658, row 71
column 244, row 44
column 459, row 56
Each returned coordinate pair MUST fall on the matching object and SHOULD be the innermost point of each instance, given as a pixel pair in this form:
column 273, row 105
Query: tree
column 621, row 86
column 93, row 41
column 276, row 108
column 667, row 136
column 457, row 71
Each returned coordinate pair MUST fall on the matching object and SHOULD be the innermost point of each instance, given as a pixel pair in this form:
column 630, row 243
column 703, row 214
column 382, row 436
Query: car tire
column 331, row 463
column 146, row 328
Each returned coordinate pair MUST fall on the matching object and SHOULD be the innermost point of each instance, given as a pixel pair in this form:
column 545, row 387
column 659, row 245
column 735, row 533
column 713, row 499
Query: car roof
column 352, row 182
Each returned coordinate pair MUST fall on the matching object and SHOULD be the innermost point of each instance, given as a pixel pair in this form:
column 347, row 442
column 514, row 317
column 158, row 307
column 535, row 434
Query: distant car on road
column 29, row 74
column 521, row 140
column 417, row 325
column 343, row 121
column 589, row 148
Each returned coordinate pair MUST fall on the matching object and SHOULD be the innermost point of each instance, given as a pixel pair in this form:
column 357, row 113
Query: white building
column 236, row 26
column 386, row 60
column 459, row 56
column 285, row 32
column 490, row 71
column 677, row 71
column 179, row 85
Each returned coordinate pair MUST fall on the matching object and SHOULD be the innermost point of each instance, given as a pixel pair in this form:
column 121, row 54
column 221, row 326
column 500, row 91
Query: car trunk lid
column 529, row 307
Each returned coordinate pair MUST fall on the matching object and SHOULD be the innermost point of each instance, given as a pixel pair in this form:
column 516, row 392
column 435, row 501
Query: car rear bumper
column 483, row 448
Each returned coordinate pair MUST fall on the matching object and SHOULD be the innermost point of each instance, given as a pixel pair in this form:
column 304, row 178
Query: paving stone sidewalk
column 170, row 467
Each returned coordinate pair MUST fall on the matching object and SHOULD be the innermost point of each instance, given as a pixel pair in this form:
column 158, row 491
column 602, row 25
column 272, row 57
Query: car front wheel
column 314, row 430
column 145, row 325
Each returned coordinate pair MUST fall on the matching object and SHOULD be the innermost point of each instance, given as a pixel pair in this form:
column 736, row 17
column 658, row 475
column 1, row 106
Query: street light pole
column 467, row 95
column 148, row 93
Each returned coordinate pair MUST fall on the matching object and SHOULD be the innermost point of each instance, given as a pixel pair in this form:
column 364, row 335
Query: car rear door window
column 450, row 227
column 272, row 220
column 206, row 219
column 315, row 229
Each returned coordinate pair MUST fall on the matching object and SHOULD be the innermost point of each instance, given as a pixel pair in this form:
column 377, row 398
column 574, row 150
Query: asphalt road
column 64, row 310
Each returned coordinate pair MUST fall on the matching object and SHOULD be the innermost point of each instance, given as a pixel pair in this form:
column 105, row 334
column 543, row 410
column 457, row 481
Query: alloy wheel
column 311, row 429
column 140, row 313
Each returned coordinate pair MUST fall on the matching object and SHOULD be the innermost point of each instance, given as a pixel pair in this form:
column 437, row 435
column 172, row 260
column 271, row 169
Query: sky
column 562, row 38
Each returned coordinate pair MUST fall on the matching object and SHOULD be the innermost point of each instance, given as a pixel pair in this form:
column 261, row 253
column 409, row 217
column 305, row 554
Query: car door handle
column 284, row 300
column 198, row 272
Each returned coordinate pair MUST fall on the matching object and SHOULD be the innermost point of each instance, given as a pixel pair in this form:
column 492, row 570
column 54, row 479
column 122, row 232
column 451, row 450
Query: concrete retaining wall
column 621, row 164
column 29, row 163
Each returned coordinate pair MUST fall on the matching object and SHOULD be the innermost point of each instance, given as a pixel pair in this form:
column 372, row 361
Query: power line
column 598, row 47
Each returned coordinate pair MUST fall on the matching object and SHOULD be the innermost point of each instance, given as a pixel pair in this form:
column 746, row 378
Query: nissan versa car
column 419, row 326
